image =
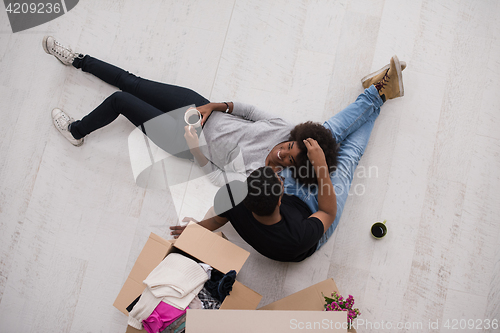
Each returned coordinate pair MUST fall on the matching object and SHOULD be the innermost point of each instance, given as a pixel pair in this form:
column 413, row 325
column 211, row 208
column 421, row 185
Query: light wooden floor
column 72, row 220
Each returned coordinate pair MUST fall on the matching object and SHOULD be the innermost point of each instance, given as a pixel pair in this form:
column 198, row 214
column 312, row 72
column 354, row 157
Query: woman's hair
column 303, row 170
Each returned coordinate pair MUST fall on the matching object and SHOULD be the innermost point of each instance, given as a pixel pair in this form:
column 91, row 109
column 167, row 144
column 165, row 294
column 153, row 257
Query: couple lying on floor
column 286, row 192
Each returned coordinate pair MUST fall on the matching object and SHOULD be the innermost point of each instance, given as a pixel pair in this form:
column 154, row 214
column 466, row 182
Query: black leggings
column 139, row 100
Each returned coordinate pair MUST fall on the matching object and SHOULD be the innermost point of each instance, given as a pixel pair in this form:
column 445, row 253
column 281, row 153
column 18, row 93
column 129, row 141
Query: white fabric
column 175, row 276
column 196, row 304
column 207, row 269
column 177, row 280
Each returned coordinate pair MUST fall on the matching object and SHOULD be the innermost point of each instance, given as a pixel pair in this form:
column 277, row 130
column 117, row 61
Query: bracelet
column 227, row 107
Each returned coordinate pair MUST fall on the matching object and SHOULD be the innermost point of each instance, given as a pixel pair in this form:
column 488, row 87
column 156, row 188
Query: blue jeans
column 351, row 128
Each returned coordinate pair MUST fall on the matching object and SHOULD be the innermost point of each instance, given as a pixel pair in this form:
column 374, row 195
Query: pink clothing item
column 163, row 315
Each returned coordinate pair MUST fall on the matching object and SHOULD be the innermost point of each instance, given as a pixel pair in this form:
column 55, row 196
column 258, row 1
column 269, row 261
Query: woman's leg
column 355, row 115
column 165, row 97
column 165, row 131
column 140, row 101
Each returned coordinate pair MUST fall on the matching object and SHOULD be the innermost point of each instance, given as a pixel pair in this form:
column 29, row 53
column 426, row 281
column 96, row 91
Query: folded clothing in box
column 175, row 281
column 195, row 242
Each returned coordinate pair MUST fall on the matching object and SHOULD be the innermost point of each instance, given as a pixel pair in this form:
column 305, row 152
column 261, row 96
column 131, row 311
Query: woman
column 239, row 139
column 351, row 128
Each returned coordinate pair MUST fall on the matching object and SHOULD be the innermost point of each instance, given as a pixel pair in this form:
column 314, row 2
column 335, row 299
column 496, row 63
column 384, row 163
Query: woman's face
column 284, row 154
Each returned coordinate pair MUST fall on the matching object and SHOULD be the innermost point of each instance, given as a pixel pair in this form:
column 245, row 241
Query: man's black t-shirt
column 294, row 238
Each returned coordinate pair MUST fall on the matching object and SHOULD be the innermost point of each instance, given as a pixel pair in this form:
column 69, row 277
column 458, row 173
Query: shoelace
column 62, row 51
column 63, row 122
column 382, row 83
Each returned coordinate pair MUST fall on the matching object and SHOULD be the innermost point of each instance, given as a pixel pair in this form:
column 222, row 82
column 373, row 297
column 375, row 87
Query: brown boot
column 375, row 77
column 391, row 84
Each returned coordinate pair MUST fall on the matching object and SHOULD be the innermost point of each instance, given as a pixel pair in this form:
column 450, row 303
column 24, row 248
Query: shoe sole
column 44, row 45
column 383, row 69
column 78, row 145
column 81, row 143
column 400, row 75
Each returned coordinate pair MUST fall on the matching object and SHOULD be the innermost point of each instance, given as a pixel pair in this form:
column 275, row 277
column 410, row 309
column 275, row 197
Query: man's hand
column 205, row 111
column 327, row 200
column 177, row 230
column 314, row 152
column 191, row 137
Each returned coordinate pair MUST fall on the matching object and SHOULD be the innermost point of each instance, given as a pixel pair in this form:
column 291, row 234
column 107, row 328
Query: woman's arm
column 207, row 109
column 251, row 112
column 194, row 145
column 243, row 110
column 234, row 170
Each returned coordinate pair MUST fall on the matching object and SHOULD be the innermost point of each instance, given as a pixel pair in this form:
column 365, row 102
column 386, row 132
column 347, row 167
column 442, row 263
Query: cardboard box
column 200, row 243
column 265, row 321
column 297, row 312
column 238, row 309
column 309, row 299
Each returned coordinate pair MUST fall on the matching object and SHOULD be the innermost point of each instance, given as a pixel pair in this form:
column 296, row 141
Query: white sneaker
column 61, row 122
column 63, row 53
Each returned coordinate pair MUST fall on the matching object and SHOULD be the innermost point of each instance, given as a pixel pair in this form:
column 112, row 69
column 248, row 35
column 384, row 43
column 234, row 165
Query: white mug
column 192, row 112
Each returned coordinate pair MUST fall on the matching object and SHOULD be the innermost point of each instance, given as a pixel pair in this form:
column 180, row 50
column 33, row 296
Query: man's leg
column 344, row 124
column 386, row 84
column 349, row 129
column 351, row 150
column 355, row 115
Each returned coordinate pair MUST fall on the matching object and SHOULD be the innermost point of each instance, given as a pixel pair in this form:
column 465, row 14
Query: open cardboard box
column 305, row 306
column 200, row 243
column 309, row 299
column 239, row 307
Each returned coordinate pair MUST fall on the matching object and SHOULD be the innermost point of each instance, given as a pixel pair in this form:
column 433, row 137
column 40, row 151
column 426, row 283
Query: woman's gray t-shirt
column 239, row 143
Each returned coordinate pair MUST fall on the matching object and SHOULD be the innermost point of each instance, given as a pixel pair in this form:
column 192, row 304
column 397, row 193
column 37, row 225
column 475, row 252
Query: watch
column 227, row 106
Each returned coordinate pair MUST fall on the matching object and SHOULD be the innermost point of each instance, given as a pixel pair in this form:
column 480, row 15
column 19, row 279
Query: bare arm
column 207, row 109
column 210, row 222
column 194, row 145
column 327, row 200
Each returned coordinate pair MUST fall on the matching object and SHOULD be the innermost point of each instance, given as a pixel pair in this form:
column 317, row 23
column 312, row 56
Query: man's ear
column 279, row 201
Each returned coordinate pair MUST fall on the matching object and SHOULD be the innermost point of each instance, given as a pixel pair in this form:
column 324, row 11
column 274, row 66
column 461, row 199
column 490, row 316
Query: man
column 284, row 228
column 277, row 225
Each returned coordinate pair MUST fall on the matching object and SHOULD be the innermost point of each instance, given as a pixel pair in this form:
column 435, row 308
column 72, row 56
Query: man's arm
column 327, row 200
column 210, row 222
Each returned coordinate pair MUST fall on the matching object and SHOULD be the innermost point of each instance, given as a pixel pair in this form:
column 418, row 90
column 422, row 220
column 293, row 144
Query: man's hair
column 303, row 170
column 264, row 191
